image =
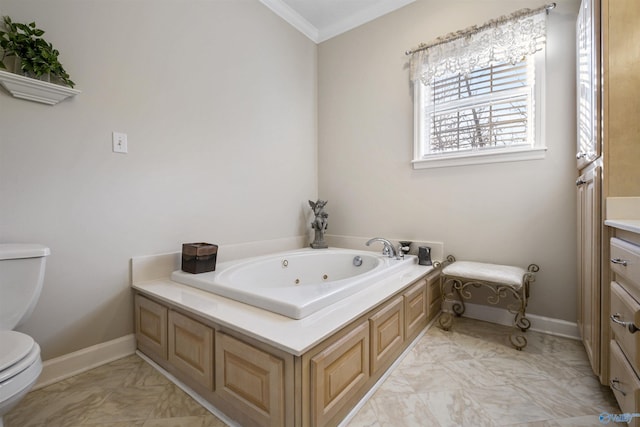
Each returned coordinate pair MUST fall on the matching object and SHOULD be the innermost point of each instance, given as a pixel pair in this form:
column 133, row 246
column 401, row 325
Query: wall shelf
column 35, row 90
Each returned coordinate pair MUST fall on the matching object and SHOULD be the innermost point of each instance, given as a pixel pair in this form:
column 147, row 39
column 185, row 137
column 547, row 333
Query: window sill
column 478, row 158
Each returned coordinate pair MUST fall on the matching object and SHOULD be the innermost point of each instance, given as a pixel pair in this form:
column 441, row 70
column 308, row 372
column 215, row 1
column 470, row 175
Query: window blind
column 490, row 107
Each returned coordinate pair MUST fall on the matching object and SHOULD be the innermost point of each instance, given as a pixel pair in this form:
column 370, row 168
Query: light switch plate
column 120, row 142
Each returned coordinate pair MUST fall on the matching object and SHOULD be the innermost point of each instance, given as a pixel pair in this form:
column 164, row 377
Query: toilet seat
column 17, row 353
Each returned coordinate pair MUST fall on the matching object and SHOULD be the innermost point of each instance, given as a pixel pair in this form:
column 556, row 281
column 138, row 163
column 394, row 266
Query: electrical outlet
column 120, row 142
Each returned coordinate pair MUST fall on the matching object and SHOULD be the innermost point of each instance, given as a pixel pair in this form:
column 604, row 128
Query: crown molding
column 293, row 18
column 318, row 35
column 375, row 11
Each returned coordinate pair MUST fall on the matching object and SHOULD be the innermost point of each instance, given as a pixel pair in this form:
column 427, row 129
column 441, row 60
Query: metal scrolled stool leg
column 457, row 304
column 518, row 340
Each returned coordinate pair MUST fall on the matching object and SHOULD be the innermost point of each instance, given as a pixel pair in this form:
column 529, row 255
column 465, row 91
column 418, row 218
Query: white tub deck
column 291, row 335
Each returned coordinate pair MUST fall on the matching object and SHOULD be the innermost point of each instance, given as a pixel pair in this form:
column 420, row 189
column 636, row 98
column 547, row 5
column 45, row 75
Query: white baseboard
column 502, row 316
column 71, row 364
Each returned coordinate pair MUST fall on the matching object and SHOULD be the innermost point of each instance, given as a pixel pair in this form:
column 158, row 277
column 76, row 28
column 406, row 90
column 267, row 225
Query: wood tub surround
column 257, row 383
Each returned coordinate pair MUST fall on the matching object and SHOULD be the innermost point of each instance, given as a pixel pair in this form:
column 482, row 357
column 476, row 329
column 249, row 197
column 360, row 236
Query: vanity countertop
column 632, row 225
column 290, row 335
column 623, row 213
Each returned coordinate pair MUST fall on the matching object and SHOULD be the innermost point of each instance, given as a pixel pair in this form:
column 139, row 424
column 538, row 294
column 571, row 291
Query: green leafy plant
column 36, row 56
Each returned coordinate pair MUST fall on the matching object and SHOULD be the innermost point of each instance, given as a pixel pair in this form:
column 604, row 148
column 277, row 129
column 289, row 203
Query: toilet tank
column 21, row 276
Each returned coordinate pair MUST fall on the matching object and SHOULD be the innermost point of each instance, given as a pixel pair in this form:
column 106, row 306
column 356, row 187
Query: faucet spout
column 388, row 249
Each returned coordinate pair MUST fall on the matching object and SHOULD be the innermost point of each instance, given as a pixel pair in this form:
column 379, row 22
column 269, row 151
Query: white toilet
column 21, row 277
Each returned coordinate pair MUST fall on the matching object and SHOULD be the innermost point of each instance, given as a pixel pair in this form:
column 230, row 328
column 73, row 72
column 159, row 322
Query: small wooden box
column 199, row 257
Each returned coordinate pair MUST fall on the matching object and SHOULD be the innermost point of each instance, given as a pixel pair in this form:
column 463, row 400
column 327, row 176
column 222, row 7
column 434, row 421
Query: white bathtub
column 296, row 283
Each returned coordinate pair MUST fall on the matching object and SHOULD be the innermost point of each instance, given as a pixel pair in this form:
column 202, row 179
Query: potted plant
column 34, row 56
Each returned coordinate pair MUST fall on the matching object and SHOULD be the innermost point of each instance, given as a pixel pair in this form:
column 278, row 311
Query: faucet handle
column 402, row 250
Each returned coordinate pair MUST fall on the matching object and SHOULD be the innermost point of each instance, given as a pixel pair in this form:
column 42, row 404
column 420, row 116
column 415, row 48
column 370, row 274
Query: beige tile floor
column 469, row 376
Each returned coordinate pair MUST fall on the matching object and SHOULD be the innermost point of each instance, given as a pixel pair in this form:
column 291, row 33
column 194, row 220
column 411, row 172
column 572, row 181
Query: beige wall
column 218, row 99
column 514, row 213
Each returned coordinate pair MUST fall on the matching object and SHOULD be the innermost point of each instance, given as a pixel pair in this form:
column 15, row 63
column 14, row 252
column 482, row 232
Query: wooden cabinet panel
column 387, row 334
column 415, row 308
column 191, row 348
column 338, row 372
column 625, row 261
column 151, row 326
column 627, row 310
column 434, row 296
column 624, row 383
column 251, row 377
column 621, row 96
column 588, row 222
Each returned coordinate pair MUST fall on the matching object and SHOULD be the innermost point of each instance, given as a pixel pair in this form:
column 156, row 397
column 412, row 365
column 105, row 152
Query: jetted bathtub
column 296, row 283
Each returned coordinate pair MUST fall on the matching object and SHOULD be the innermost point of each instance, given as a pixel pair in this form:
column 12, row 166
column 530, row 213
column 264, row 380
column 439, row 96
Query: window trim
column 487, row 155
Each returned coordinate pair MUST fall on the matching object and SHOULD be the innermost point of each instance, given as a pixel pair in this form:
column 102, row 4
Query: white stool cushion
column 494, row 273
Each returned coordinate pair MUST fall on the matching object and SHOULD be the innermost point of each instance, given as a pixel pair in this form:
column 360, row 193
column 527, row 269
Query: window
column 475, row 103
column 486, row 116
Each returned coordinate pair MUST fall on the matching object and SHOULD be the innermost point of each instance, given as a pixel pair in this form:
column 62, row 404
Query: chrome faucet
column 388, row 249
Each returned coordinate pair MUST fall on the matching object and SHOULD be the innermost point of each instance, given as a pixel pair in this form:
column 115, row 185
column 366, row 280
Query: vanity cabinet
column 258, row 384
column 624, row 320
column 608, row 153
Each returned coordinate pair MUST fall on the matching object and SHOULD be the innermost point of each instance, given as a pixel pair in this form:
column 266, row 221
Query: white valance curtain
column 506, row 39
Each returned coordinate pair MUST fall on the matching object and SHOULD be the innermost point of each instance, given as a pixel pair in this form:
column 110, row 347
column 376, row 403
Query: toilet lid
column 14, row 347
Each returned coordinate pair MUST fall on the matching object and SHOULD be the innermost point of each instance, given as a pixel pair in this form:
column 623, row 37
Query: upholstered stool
column 458, row 278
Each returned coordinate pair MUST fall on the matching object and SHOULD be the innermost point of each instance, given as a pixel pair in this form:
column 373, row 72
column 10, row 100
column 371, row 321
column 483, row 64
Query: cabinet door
column 625, row 309
column 151, row 326
column 625, row 262
column 191, row 348
column 415, row 308
column 338, row 373
column 434, row 297
column 589, row 263
column 624, row 383
column 621, row 57
column 387, row 334
column 587, row 48
column 250, row 379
